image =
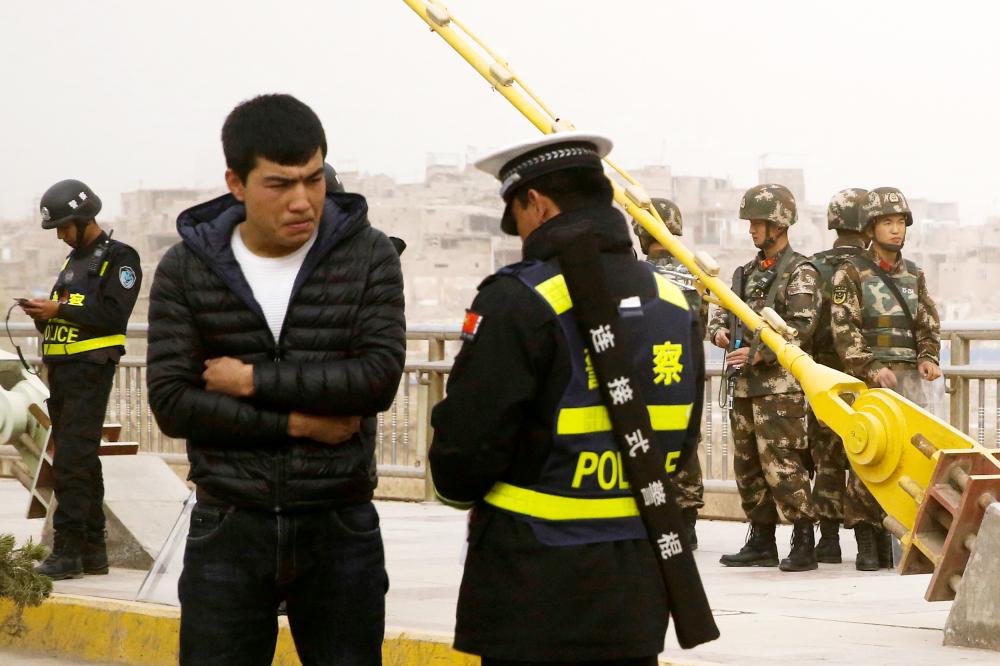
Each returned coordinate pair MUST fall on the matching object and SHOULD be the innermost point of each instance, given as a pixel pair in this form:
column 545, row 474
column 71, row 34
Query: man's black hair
column 570, row 189
column 276, row 127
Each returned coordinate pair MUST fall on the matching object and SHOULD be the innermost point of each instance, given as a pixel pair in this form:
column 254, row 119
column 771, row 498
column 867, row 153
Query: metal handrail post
column 434, row 394
column 959, row 401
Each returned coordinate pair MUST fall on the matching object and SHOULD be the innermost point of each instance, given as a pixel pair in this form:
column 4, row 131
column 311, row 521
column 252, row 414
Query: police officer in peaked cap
column 83, row 329
column 523, row 436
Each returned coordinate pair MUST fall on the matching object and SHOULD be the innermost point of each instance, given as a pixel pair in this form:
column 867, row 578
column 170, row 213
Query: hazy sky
column 861, row 94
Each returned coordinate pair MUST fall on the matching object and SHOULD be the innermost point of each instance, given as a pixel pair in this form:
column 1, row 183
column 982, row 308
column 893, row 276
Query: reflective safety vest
column 582, row 495
column 886, row 328
column 75, row 285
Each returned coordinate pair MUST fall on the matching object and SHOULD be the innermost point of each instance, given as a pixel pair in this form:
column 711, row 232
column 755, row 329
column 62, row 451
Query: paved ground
column 835, row 615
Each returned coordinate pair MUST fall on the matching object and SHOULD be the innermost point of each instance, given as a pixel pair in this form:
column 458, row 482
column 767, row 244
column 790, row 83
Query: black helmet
column 68, row 201
column 398, row 243
column 333, row 183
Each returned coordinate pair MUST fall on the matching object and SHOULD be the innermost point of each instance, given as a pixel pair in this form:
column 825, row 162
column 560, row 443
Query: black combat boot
column 758, row 551
column 803, row 554
column 64, row 560
column 828, row 548
column 690, row 516
column 95, row 554
column 883, row 545
column 867, row 559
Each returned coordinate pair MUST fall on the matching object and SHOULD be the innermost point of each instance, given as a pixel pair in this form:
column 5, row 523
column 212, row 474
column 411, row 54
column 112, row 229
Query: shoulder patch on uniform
column 839, row 295
column 470, row 325
column 126, row 276
column 670, row 292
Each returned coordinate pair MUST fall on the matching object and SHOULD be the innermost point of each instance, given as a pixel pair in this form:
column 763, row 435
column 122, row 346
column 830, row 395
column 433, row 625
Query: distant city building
column 450, row 222
column 793, row 179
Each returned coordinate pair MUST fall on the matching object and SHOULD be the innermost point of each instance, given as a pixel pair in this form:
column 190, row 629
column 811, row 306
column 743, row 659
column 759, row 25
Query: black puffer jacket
column 340, row 352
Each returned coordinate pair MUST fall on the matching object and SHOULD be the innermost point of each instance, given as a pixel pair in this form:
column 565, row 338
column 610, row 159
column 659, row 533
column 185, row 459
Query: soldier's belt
column 63, row 349
column 885, row 321
column 583, row 420
column 890, row 340
column 558, row 507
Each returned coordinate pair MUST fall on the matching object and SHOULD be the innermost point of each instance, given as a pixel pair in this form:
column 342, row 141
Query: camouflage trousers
column 769, row 434
column 688, row 487
column 830, row 464
column 859, row 504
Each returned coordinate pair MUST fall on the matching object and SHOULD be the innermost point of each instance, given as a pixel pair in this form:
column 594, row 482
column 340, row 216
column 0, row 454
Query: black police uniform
column 559, row 567
column 97, row 289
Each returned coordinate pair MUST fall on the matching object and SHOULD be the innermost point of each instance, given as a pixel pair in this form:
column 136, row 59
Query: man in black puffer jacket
column 276, row 335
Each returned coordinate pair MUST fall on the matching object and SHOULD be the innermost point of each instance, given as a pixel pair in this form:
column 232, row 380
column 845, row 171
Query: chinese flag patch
column 470, row 326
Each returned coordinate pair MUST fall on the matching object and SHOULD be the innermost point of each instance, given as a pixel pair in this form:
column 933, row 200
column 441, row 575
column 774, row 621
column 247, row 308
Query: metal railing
column 404, row 433
column 961, row 377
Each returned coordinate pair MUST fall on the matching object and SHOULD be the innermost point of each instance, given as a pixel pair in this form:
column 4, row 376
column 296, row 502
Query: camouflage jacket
column 869, row 327
column 672, row 269
column 826, row 263
column 797, row 301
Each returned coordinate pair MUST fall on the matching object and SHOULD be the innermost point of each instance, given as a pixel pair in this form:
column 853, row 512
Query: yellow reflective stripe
column 670, row 292
column 670, row 417
column 65, row 263
column 583, row 420
column 556, row 507
column 555, row 293
column 104, row 267
column 59, row 349
column 450, row 502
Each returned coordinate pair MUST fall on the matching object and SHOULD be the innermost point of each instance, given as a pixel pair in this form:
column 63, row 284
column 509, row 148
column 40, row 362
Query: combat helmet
column 885, row 201
column 846, row 212
column 671, row 216
column 66, row 202
column 772, row 202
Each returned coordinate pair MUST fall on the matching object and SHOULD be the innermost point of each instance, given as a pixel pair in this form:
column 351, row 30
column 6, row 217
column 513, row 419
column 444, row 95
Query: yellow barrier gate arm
column 892, row 444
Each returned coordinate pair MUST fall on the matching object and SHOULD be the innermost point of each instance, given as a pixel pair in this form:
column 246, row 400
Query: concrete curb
column 126, row 632
column 142, row 634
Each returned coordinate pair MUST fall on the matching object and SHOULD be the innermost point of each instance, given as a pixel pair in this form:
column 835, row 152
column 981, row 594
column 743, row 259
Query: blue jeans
column 328, row 566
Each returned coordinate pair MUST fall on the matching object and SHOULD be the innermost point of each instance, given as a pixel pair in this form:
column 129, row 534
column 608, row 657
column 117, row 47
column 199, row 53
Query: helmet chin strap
column 890, row 247
column 769, row 240
column 81, row 231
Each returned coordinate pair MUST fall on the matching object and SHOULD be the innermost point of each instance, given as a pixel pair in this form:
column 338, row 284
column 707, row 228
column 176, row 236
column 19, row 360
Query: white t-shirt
column 271, row 278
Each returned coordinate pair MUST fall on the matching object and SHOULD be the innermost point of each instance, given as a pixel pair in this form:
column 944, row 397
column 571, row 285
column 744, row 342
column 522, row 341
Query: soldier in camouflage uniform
column 887, row 338
column 768, row 414
column 687, row 483
column 827, row 449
